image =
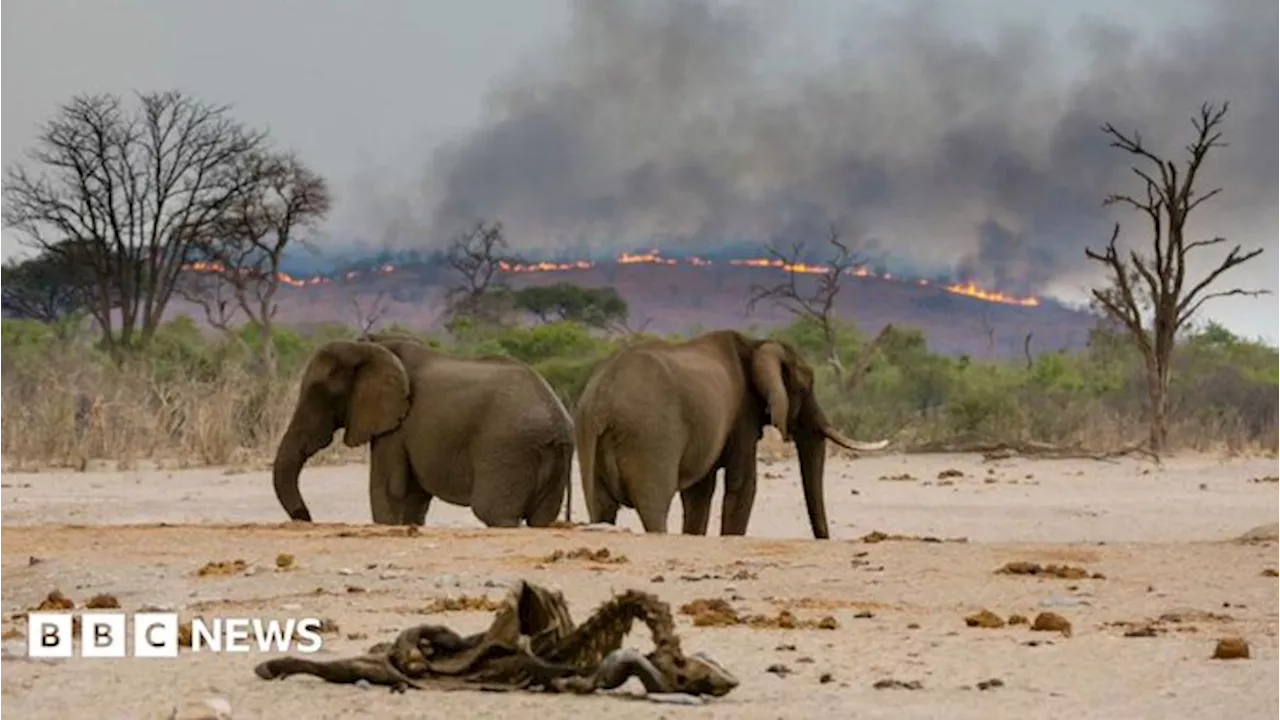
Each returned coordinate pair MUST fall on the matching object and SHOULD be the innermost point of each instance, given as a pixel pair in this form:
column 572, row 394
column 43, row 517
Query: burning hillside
column 655, row 257
column 668, row 294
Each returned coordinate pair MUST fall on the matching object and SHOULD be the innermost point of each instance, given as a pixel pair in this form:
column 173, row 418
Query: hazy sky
column 367, row 91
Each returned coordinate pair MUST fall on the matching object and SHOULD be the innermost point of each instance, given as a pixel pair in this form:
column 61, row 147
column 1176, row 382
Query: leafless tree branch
column 479, row 259
column 1149, row 293
column 818, row 305
column 132, row 188
column 238, row 256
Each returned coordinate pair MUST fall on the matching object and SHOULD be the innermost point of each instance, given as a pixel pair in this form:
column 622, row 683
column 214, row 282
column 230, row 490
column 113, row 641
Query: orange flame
column 654, row 257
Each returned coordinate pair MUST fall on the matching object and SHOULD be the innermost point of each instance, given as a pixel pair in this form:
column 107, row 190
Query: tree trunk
column 1157, row 407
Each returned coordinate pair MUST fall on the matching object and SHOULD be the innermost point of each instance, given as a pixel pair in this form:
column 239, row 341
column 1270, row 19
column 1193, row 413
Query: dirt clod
column 950, row 473
column 1065, row 572
column 464, row 603
column 717, row 612
column 1052, row 622
column 778, row 669
column 102, row 601
column 826, row 677
column 1232, row 648
column 1016, row 619
column 1270, row 572
column 222, row 568
column 984, row 619
column 55, row 600
column 284, row 561
column 599, row 555
column 892, row 684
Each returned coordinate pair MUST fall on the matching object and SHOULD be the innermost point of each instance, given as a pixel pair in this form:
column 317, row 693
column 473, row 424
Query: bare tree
column 478, row 258
column 134, row 189
column 1157, row 283
column 367, row 308
column 241, row 251
column 818, row 305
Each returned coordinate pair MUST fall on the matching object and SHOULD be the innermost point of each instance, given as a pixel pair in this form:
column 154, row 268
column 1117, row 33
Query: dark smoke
column 660, row 123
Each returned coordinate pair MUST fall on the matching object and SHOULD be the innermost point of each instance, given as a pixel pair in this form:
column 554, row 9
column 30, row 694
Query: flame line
column 653, row 257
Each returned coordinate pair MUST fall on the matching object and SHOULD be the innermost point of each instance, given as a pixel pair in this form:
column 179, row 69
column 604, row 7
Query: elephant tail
column 559, row 469
column 599, row 473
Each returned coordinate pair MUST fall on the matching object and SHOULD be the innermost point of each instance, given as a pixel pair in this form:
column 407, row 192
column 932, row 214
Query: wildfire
column 654, row 257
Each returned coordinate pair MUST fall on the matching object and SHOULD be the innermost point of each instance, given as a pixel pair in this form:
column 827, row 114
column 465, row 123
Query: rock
column 990, row 684
column 214, row 708
column 1232, row 648
column 395, row 574
column 826, row 677
column 984, row 619
column 778, row 669
column 1052, row 622
column 1270, row 572
column 346, row 571
column 1016, row 619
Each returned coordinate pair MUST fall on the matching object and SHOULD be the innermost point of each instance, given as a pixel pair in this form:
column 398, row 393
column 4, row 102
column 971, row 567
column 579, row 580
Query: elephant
column 487, row 433
column 660, row 417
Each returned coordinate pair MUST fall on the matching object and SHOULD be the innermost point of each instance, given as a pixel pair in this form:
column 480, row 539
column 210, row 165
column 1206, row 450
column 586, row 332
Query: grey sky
column 365, row 90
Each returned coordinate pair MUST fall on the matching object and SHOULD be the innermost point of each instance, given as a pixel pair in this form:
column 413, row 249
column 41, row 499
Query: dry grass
column 73, row 410
column 68, row 407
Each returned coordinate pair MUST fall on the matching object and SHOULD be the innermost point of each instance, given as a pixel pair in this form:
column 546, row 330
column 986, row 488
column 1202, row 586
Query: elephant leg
column 416, row 504
column 696, row 501
column 602, row 507
column 554, row 476
column 650, row 480
column 389, row 481
column 739, row 490
column 502, row 482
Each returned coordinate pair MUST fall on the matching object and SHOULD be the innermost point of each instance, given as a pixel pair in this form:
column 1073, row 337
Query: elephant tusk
column 834, row 435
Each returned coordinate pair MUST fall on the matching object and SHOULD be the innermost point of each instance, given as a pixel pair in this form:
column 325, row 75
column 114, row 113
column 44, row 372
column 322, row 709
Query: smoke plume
column 681, row 123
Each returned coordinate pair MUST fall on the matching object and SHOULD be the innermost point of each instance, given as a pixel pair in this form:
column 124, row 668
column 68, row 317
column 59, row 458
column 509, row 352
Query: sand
column 1159, row 539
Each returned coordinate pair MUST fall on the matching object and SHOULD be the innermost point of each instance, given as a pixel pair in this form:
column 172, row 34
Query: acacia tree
column 1150, row 294
column 818, row 305
column 134, row 189
column 478, row 258
column 46, row 287
column 600, row 307
column 240, row 252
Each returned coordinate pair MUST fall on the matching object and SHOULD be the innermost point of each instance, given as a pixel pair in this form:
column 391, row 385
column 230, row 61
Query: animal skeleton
column 532, row 644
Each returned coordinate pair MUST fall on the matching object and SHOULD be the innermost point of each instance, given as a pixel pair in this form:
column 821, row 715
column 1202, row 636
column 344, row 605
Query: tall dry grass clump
column 66, row 404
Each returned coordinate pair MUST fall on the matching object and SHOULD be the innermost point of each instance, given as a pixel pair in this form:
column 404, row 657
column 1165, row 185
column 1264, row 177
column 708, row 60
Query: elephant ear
column 766, row 373
column 378, row 396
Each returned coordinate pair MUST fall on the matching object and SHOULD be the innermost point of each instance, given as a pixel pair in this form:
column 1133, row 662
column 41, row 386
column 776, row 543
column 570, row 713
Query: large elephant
column 660, row 418
column 486, row 433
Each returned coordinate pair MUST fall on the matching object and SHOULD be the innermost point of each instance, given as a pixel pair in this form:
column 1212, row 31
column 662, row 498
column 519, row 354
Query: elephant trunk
column 811, row 449
column 297, row 446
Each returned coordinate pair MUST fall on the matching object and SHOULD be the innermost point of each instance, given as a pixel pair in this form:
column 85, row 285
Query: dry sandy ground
column 1160, row 536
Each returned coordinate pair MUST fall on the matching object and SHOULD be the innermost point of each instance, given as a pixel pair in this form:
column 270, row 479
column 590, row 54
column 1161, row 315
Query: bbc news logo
column 156, row 634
